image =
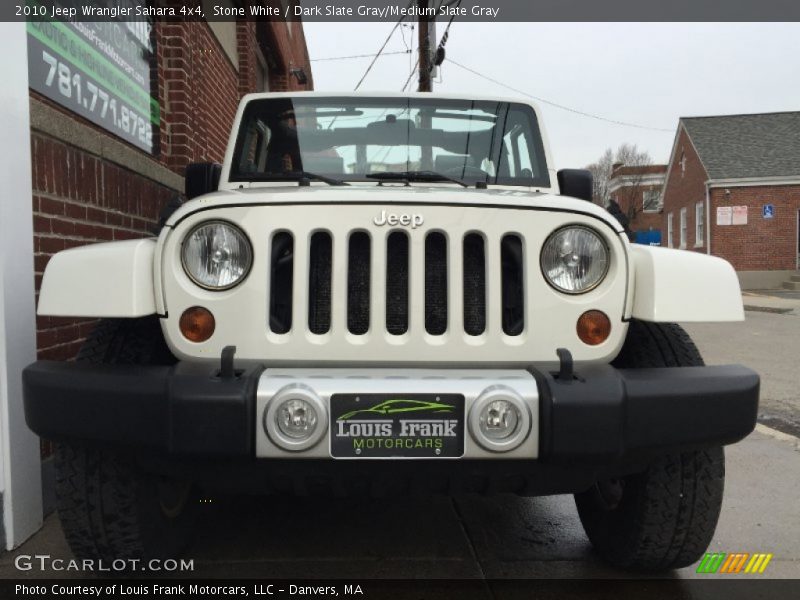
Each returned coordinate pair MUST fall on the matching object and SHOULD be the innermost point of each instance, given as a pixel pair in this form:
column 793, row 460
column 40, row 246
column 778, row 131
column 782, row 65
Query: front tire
column 664, row 517
column 108, row 506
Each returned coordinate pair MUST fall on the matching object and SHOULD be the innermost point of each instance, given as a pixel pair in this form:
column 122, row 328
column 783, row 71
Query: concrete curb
column 772, row 304
column 778, row 435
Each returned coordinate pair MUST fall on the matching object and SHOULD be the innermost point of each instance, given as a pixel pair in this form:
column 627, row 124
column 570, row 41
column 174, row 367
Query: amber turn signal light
column 197, row 324
column 594, row 327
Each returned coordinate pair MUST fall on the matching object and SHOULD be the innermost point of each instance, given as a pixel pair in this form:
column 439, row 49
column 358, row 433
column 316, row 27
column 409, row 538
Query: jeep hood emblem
column 413, row 220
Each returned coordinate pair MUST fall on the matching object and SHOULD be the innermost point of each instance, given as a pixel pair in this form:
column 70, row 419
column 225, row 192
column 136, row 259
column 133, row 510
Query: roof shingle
column 739, row 146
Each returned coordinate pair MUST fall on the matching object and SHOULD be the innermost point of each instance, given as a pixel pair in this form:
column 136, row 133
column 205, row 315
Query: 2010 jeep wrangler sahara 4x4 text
column 387, row 292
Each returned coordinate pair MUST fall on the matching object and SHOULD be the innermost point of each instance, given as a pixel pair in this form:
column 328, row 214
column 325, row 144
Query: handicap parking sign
column 768, row 211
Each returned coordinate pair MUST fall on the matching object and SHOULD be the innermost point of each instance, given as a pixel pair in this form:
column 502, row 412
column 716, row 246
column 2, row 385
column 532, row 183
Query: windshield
column 351, row 138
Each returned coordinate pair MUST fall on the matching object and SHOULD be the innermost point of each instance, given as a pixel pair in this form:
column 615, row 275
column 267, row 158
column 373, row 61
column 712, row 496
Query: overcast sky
column 645, row 73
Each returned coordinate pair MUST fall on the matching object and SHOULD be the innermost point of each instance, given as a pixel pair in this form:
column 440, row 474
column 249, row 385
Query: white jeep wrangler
column 385, row 292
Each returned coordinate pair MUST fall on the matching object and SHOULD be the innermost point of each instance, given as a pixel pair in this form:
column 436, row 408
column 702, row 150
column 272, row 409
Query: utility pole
column 425, row 65
column 425, row 81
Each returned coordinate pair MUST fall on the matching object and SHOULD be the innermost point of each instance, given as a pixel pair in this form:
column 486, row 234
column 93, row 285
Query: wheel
column 664, row 517
column 109, row 508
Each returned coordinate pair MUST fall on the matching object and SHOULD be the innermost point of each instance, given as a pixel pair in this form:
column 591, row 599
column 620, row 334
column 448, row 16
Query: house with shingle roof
column 732, row 189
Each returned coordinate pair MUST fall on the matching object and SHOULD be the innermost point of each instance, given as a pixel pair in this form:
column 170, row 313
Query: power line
column 375, row 59
column 446, row 34
column 411, row 75
column 557, row 105
column 359, row 56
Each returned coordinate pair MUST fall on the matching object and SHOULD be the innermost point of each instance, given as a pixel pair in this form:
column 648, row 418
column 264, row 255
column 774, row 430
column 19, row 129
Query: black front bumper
column 602, row 416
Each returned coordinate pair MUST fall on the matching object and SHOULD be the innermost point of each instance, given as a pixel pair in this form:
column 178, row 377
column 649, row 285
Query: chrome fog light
column 295, row 418
column 499, row 419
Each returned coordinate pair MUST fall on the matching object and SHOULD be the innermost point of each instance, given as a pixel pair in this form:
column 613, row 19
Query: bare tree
column 601, row 174
column 628, row 155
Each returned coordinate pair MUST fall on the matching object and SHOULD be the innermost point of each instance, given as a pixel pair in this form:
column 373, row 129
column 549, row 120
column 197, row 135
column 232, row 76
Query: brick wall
column 79, row 199
column 199, row 92
column 82, row 197
column 286, row 48
column 631, row 201
column 683, row 189
column 762, row 244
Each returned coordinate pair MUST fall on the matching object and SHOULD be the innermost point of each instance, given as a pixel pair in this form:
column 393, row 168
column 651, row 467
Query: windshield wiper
column 322, row 178
column 415, row 176
column 298, row 176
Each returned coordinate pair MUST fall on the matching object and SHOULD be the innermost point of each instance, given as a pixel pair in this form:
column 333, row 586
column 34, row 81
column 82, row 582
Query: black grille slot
column 397, row 283
column 435, row 283
column 281, row 279
column 513, row 297
column 319, row 283
column 358, row 266
column 474, row 285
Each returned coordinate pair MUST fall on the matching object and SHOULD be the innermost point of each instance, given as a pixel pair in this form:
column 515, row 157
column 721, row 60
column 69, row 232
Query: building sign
column 739, row 215
column 98, row 70
column 732, row 215
column 768, row 211
column 724, row 215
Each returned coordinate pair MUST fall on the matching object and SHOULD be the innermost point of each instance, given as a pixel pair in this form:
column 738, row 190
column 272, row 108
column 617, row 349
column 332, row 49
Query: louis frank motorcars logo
column 403, row 219
column 349, row 425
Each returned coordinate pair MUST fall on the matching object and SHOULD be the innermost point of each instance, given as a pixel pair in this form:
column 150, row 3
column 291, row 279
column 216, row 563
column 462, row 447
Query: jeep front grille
column 435, row 283
column 397, row 283
column 444, row 266
column 340, row 286
column 474, row 284
column 358, row 266
column 282, row 278
column 319, row 283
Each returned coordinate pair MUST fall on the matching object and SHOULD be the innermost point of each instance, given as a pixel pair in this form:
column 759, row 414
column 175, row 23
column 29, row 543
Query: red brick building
column 733, row 190
column 637, row 190
column 91, row 184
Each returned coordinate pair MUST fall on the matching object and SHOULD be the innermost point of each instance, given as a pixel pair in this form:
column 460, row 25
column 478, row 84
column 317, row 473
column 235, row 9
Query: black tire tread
column 669, row 512
column 97, row 507
column 655, row 345
column 99, row 490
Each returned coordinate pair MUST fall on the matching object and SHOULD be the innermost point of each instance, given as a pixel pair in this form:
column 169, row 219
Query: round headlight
column 216, row 255
column 574, row 259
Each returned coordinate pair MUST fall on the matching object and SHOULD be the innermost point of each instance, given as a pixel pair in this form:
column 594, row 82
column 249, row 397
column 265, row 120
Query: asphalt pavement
column 767, row 341
column 508, row 537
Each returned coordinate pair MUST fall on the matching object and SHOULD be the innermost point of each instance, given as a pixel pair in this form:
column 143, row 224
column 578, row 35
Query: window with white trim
column 651, row 201
column 699, row 224
column 683, row 228
column 669, row 230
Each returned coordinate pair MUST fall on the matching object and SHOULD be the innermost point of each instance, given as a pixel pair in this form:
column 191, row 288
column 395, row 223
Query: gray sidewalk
column 780, row 301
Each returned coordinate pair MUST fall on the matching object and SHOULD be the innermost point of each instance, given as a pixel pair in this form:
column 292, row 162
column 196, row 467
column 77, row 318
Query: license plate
column 397, row 425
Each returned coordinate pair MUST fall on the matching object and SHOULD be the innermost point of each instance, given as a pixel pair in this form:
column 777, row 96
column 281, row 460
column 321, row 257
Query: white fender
column 113, row 279
column 680, row 286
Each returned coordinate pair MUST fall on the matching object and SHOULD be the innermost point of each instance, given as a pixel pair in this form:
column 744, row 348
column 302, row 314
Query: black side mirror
column 576, row 183
column 202, row 178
